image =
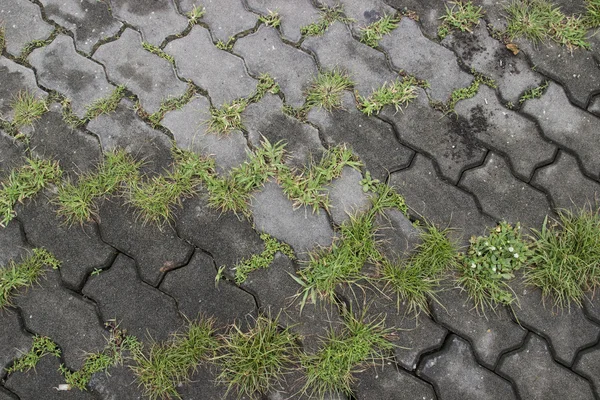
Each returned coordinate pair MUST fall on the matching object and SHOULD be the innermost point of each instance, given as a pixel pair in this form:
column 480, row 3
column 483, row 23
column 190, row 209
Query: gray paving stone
column 413, row 53
column 446, row 139
column 456, row 375
column 6, row 395
column 266, row 118
column 565, row 183
column 364, row 12
column 23, row 24
column 225, row 236
column 15, row 79
column 48, row 309
column 12, row 243
column 156, row 21
column 188, row 126
column 78, row 247
column 196, row 292
column 388, row 382
column 301, row 228
column 119, row 383
column 220, row 73
column 366, row 66
column 567, row 330
column 506, row 131
column 588, row 365
column 89, row 20
column 568, row 126
column 347, row 196
column 538, row 376
column 202, row 386
column 429, row 12
column 505, row 197
column 152, row 78
column 591, row 306
column 142, row 310
column 292, row 69
column 80, row 79
column 15, row 341
column 397, row 236
column 294, row 15
column 381, row 153
column 490, row 335
column 594, row 107
column 224, row 18
column 153, row 248
column 439, row 202
column 12, row 154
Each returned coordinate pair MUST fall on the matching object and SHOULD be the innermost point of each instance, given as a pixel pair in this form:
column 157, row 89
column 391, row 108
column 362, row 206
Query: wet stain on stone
column 372, row 16
column 142, row 7
column 129, row 71
column 468, row 45
column 76, row 80
column 11, row 85
column 94, row 17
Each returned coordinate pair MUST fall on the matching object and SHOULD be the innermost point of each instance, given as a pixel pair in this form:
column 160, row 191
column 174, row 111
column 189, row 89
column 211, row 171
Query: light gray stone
column 23, row 23
column 294, row 15
column 347, row 196
column 224, row 18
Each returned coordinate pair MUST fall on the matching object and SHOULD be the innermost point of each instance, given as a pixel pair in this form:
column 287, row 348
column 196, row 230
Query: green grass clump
column 195, row 15
column 272, row 19
column 415, row 280
column 490, row 262
column 25, row 182
column 566, row 257
column 384, row 196
column 591, row 17
column 262, row 260
column 2, row 38
column 42, row 346
column 398, row 93
column 533, row 93
column 463, row 15
column 166, row 365
column 106, row 105
column 266, row 84
column 227, row 118
column 372, row 34
column 358, row 345
column 158, row 51
column 328, row 16
column 254, row 361
column 226, row 45
column 27, row 109
column 326, row 91
column 172, row 103
column 469, row 91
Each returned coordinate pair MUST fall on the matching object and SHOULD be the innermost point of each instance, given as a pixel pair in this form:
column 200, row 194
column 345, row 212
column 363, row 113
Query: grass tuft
column 463, row 15
column 266, row 84
column 226, row 45
column 469, row 91
column 2, row 37
column 171, row 104
column 328, row 16
column 158, row 51
column 534, row 93
column 195, row 15
column 27, row 109
column 591, row 17
column 372, row 34
column 106, row 105
column 326, row 91
column 398, row 94
column 42, row 346
column 227, row 118
column 262, row 260
column 272, row 19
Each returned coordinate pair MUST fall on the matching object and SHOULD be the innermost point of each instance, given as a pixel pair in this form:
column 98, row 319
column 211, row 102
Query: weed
column 195, row 15
column 158, row 51
column 2, row 37
column 226, row 45
column 106, row 105
column 533, row 93
column 326, row 91
column 591, row 17
column 272, row 19
column 266, row 84
column 385, row 197
column 42, row 346
column 262, row 260
column 172, row 103
column 469, row 91
column 462, row 16
column 295, row 112
column 228, row 117
column 328, row 16
column 27, row 109
column 372, row 34
column 69, row 116
column 398, row 93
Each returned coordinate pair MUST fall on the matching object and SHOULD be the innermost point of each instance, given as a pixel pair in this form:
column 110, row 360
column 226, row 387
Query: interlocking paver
column 15, row 341
column 537, row 376
column 203, row 384
column 22, row 24
column 364, row 12
column 429, row 12
column 397, row 236
column 594, row 106
column 90, row 21
column 59, row 67
column 588, row 365
column 12, row 154
column 12, row 243
column 6, row 395
column 16, row 79
column 119, row 383
column 381, row 151
column 294, row 15
column 151, row 77
column 505, row 197
column 347, row 196
column 220, row 73
column 388, row 382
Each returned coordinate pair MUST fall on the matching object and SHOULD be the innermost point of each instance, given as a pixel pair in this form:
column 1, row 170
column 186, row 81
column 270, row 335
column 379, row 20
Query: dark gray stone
column 15, row 79
column 292, row 69
column 505, row 197
column 588, row 365
column 347, row 196
column 12, row 154
column 202, row 386
column 119, row 383
column 156, row 19
column 90, row 21
column 294, row 15
column 456, row 375
column 12, row 243
column 396, row 234
column 142, row 310
column 15, row 341
column 538, row 376
column 59, row 67
column 151, row 77
column 594, row 107
column 23, row 24
column 591, row 306
column 220, row 73
column 388, row 382
column 6, row 395
column 568, row 126
column 266, row 118
column 48, row 309
column 381, row 153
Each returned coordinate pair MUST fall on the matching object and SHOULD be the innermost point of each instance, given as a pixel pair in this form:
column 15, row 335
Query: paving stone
column 446, row 139
column 220, row 73
column 119, row 383
column 490, row 335
column 396, row 234
column 12, row 154
column 275, row 214
column 347, row 196
column 15, row 341
column 154, row 248
column 151, row 77
column 15, row 79
column 123, row 129
column 196, row 292
column 48, row 309
column 594, row 107
column 42, row 382
column 505, row 197
column 366, row 66
column 565, row 183
column 429, row 12
column 266, row 118
column 567, row 330
column 292, row 69
column 568, row 126
column 381, row 153
column 202, row 386
column 591, row 305
column 456, row 375
column 413, row 53
column 90, row 21
column 505, row 131
column 224, row 18
column 537, row 376
column 6, row 395
column 390, row 383
column 188, row 126
column 22, row 24
column 588, row 365
column 437, row 201
column 364, row 12
column 142, row 310
column 80, row 79
column 78, row 247
column 12, row 243
column 294, row 15
column 156, row 20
